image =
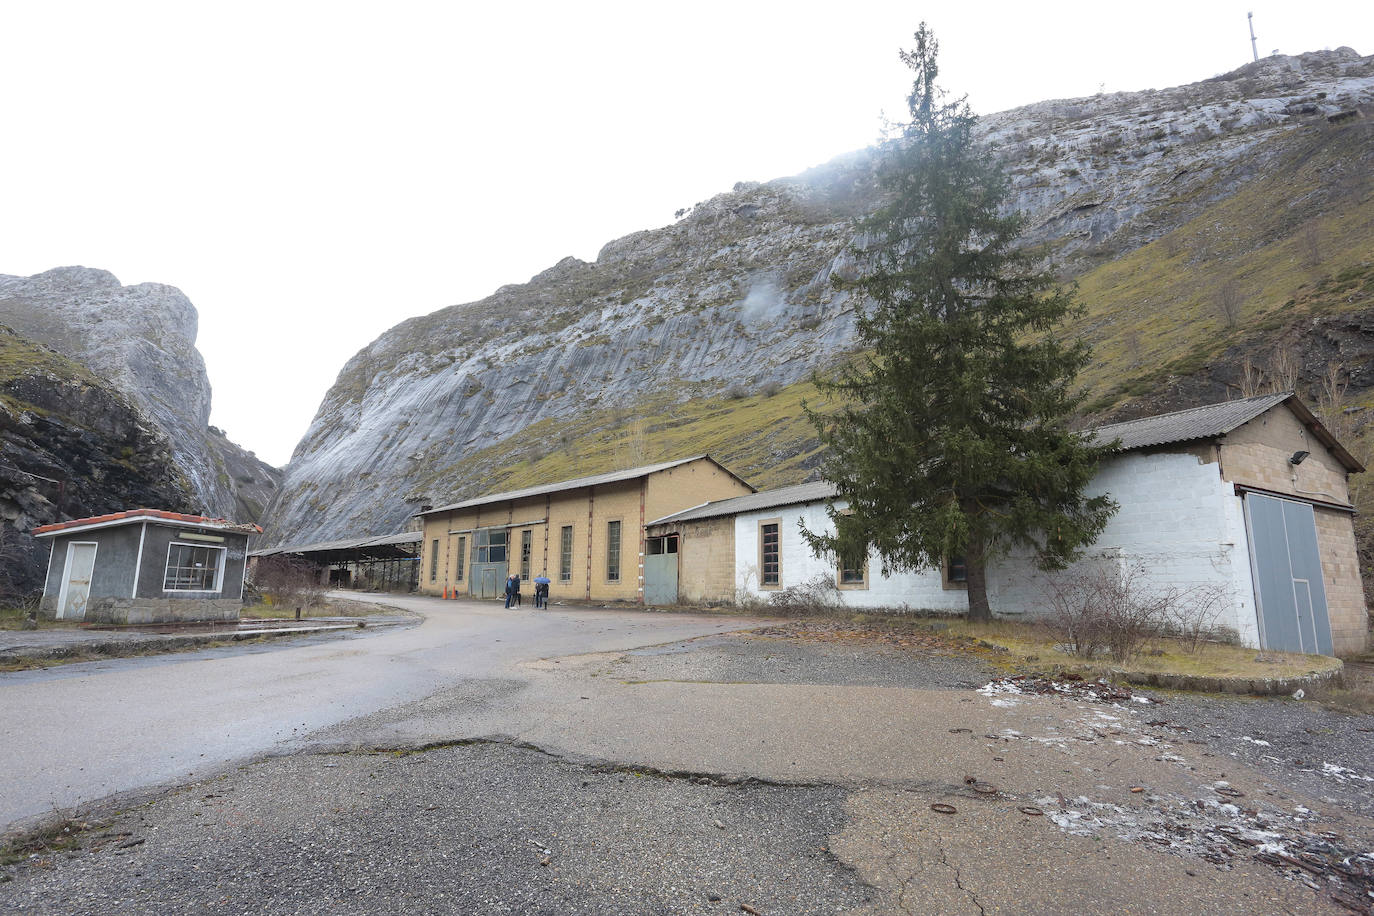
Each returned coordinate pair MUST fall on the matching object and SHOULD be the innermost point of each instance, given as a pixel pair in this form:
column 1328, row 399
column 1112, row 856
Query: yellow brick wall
column 1257, row 455
column 705, row 560
column 689, row 485
column 587, row 510
column 620, row 502
column 1345, row 603
column 568, row 509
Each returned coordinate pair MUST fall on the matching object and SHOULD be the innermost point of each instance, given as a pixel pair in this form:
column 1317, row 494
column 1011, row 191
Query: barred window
column 193, row 568
column 613, row 551
column 770, row 554
column 434, row 560
column 565, row 555
column 526, row 548
column 462, row 556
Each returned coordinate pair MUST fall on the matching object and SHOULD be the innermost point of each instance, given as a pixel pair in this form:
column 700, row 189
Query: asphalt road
column 584, row 761
column 77, row 733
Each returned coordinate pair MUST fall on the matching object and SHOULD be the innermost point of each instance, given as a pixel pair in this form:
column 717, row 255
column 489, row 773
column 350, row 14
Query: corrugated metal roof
column 385, row 540
column 784, row 496
column 1188, row 425
column 577, row 483
column 1207, row 422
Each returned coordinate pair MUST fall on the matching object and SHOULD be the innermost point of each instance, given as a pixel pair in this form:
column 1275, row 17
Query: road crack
column 958, row 881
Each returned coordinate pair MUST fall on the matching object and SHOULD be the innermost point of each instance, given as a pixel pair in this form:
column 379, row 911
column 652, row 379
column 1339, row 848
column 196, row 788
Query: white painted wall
column 1177, row 516
column 923, row 590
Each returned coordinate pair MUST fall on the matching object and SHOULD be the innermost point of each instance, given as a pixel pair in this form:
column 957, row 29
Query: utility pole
column 1254, row 48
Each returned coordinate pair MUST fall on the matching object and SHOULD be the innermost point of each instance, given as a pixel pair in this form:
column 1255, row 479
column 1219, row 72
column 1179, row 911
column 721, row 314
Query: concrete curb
column 125, row 647
column 1270, row 686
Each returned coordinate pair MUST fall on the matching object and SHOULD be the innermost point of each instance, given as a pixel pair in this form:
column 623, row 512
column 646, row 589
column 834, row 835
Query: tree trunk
column 975, row 560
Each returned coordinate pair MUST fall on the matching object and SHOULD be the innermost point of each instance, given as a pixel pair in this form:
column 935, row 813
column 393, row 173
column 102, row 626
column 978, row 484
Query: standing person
column 541, row 591
column 512, row 589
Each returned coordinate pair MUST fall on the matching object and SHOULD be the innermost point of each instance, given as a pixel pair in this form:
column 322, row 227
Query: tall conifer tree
column 951, row 437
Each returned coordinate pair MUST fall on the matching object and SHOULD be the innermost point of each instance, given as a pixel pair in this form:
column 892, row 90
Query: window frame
column 221, row 555
column 614, row 546
column 947, row 580
column 565, row 553
column 526, row 553
column 434, row 561
column 661, row 545
column 763, row 524
column 840, row 569
column 462, row 557
column 485, row 550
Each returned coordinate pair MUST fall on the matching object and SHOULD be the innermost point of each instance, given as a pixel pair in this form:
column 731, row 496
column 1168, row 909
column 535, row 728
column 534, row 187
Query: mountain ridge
column 727, row 312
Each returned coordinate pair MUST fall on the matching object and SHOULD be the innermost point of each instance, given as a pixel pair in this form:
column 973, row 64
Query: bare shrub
column 1193, row 616
column 1108, row 607
column 291, row 583
column 815, row 596
column 1228, row 301
column 10, row 555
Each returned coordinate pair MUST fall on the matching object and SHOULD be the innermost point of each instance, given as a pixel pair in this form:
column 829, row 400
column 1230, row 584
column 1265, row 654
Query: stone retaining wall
column 162, row 610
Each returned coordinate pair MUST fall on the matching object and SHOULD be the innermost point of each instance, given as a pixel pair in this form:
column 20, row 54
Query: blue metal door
column 1287, row 571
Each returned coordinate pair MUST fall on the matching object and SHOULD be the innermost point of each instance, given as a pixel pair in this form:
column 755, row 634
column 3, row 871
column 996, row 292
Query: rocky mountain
column 1204, row 224
column 103, row 390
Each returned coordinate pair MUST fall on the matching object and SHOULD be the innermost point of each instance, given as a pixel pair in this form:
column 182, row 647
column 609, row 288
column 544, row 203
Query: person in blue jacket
column 512, row 590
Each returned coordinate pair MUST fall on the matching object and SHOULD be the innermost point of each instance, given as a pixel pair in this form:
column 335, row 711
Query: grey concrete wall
column 113, row 575
column 155, row 546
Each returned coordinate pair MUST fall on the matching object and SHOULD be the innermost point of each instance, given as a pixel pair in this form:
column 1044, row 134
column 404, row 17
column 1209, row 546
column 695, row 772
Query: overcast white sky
column 310, row 174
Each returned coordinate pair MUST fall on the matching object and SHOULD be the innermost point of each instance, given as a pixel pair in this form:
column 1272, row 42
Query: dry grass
column 12, row 618
column 1034, row 645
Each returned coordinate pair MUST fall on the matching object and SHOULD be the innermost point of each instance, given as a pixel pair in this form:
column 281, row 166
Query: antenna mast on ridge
column 1254, row 48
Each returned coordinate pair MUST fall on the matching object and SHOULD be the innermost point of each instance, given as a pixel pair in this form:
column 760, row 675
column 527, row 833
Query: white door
column 76, row 580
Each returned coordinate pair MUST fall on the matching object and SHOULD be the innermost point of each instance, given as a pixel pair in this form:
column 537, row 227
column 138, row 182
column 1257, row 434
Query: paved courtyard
column 596, row 761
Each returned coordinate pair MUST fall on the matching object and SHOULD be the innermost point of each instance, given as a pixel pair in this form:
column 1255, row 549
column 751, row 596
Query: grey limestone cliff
column 141, row 340
column 739, row 292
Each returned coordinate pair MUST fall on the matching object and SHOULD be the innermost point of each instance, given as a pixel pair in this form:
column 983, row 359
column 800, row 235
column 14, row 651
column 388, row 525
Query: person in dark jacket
column 513, row 590
column 541, row 591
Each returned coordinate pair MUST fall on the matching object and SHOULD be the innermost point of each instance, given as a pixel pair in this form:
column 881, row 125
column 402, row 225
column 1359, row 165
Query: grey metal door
column 1287, row 570
column 660, row 579
column 489, row 578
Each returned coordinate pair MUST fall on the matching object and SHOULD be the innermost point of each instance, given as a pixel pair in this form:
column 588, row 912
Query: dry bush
column 1107, row 607
column 291, row 582
column 816, row 596
column 1193, row 616
column 1113, row 608
column 1229, row 302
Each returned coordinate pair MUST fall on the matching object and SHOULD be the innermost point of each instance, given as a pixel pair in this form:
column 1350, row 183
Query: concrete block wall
column 1257, row 455
column 706, row 560
column 1345, row 600
column 1177, row 518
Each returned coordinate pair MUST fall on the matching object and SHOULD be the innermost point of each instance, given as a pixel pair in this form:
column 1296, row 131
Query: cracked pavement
column 709, row 771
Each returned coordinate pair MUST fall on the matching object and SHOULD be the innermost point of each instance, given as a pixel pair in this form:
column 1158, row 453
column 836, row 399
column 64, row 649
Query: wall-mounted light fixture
column 1298, row 457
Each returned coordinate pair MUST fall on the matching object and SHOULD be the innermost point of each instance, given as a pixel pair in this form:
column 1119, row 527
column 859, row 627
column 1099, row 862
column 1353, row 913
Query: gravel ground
column 467, row 829
column 1325, row 754
column 750, row 659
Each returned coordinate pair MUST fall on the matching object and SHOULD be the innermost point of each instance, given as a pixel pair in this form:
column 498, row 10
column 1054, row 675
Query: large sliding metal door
column 1287, row 571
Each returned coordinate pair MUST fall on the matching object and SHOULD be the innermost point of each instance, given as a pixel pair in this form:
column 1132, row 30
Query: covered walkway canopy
column 388, row 561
